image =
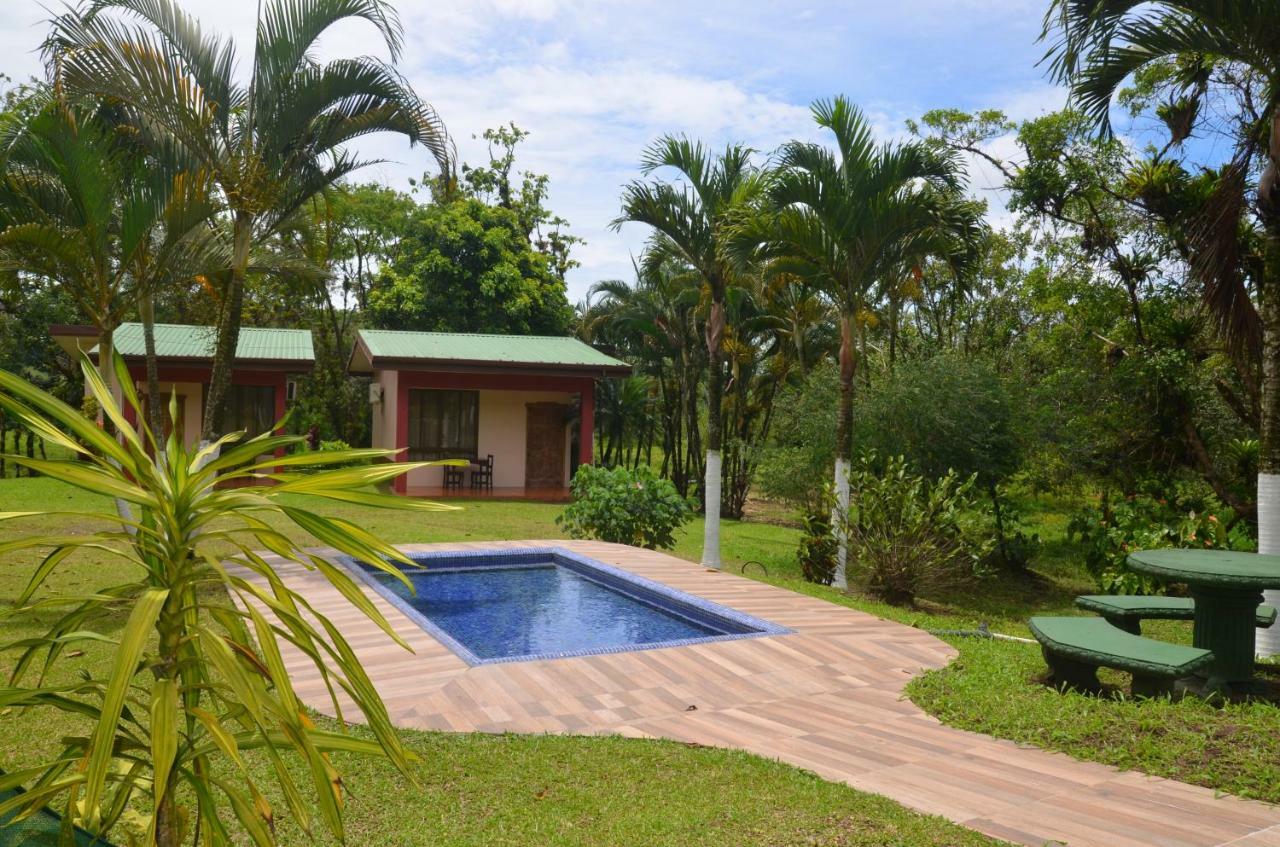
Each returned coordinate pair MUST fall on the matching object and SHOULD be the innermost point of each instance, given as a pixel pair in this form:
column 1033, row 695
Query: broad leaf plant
column 198, row 677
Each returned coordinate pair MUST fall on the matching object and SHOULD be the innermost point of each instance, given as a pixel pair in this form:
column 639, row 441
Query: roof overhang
column 363, row 361
column 73, row 338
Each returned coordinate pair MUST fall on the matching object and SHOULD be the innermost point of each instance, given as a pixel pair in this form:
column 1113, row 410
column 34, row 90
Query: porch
column 537, row 495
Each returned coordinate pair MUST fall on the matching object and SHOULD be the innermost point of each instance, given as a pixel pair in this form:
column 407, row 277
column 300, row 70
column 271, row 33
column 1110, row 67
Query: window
column 443, row 424
column 251, row 408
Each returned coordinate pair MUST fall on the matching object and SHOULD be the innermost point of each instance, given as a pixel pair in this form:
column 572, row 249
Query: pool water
column 511, row 606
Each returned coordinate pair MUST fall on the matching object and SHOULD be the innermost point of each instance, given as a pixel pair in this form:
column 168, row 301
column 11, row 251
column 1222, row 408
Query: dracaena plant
column 197, row 677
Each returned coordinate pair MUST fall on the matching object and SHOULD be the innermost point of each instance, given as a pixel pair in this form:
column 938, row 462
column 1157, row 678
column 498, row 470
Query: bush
column 944, row 413
column 635, row 507
column 908, row 535
column 802, row 448
column 1113, row 529
column 818, row 545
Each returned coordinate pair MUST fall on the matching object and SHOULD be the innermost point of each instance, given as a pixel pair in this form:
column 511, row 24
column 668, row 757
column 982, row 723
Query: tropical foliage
column 267, row 144
column 908, row 533
column 635, row 507
column 198, row 677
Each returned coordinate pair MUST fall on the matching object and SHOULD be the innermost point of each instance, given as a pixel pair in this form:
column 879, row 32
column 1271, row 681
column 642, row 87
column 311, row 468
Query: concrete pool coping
column 646, row 591
column 827, row 698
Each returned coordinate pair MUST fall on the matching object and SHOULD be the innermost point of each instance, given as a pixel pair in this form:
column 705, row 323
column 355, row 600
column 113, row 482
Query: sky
column 596, row 81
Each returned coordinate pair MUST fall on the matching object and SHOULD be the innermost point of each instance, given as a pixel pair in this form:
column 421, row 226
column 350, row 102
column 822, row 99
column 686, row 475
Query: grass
column 995, row 687
column 511, row 790
column 487, row 790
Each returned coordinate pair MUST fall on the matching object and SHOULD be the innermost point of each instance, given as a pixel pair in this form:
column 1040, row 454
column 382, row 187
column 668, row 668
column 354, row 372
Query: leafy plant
column 197, row 676
column 635, row 507
column 908, row 534
column 1113, row 529
column 818, row 544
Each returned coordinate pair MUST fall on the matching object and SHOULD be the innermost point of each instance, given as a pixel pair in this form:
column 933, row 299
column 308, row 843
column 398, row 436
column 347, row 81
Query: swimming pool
column 546, row 603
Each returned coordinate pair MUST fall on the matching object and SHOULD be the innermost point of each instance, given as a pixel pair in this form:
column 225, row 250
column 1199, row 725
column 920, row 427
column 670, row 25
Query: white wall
column 384, row 413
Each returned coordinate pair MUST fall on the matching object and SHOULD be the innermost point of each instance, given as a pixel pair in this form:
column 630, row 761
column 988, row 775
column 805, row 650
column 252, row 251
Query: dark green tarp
column 39, row 830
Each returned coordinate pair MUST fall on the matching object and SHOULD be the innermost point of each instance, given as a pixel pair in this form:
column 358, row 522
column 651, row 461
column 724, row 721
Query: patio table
column 1227, row 587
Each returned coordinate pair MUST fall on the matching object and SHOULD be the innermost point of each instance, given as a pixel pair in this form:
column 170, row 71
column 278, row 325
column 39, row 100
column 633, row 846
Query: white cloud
column 595, row 81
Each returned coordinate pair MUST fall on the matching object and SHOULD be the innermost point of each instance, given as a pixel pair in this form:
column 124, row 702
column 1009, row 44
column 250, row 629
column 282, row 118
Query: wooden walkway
column 827, row 698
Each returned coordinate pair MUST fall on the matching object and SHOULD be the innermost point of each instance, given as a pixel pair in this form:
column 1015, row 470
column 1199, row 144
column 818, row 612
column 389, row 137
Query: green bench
column 1075, row 647
column 1127, row 611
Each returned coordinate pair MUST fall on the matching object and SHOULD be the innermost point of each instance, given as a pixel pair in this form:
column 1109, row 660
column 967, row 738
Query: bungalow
column 266, row 362
column 519, row 408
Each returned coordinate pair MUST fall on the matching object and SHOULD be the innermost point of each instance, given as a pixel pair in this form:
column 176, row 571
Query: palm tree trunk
column 155, row 415
column 893, row 332
column 844, row 447
column 1269, row 432
column 715, row 391
column 107, row 369
column 224, row 353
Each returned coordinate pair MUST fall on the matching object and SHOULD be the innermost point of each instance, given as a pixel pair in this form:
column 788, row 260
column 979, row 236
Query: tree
column 653, row 324
column 466, row 266
column 846, row 223
column 60, row 207
column 694, row 219
column 269, row 143
column 494, row 184
column 1099, row 45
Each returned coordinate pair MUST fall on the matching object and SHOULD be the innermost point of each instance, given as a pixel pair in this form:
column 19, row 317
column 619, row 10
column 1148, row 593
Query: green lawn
column 517, row 790
column 486, row 790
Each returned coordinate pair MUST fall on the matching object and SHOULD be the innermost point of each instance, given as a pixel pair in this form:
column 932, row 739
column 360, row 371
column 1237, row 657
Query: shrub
column 818, row 545
column 802, row 448
column 1016, row 546
column 908, row 535
column 1113, row 529
column 635, row 507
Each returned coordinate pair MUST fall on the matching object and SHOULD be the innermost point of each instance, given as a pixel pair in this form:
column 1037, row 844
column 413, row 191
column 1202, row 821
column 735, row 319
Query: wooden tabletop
column 1225, row 568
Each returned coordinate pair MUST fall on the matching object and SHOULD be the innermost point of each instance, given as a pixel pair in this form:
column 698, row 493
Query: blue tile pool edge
column 673, row 600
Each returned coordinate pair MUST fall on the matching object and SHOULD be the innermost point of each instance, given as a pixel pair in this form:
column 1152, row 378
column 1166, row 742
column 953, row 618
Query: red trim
column 72, row 330
column 587, row 425
column 282, row 388
column 487, row 366
column 492, row 382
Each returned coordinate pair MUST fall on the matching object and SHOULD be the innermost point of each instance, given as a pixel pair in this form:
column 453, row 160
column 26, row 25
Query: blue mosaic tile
column 527, row 604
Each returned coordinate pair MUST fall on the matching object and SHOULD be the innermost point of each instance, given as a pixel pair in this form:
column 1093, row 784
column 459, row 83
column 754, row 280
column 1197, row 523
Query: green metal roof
column 182, row 341
column 479, row 349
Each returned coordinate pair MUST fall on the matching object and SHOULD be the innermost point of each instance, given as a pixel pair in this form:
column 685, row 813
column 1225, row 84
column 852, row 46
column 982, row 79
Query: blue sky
column 594, row 81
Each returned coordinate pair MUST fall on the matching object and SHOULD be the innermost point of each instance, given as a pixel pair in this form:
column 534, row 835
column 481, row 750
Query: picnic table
column 1227, row 587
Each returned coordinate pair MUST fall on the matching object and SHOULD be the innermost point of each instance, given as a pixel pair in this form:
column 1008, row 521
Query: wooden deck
column 827, row 698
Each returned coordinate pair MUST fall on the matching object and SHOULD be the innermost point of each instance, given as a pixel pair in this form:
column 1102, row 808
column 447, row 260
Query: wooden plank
column 827, row 698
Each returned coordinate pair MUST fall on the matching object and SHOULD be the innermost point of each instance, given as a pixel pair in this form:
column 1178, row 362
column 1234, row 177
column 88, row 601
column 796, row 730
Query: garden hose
column 983, row 631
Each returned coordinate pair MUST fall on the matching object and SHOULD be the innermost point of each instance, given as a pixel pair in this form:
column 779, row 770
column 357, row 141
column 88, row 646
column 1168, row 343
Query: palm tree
column 653, row 323
column 694, row 218
column 1098, row 44
column 269, row 143
column 845, row 222
column 61, row 213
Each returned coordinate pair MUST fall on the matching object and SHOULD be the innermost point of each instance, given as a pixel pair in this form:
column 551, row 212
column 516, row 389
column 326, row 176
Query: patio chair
column 482, row 473
column 453, row 477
